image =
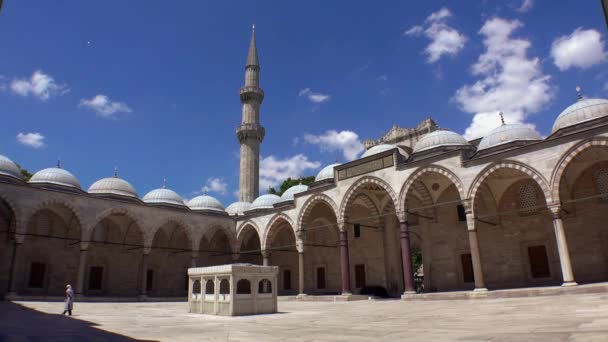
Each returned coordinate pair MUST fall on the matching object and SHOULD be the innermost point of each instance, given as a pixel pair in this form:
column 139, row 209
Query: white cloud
column 526, row 5
column 34, row 140
column 104, row 106
column 40, row 85
column 510, row 81
column 314, row 97
column 217, row 185
column 346, row 142
column 273, row 171
column 582, row 49
column 444, row 39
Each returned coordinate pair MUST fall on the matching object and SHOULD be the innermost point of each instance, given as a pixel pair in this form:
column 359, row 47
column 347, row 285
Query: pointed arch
column 273, row 227
column 178, row 222
column 349, row 196
column 509, row 164
column 309, row 205
column 20, row 222
column 411, row 181
column 87, row 236
column 243, row 229
column 567, row 157
column 56, row 202
column 211, row 232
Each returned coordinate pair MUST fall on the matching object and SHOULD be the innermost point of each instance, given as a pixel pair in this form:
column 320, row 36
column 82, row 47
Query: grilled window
column 528, row 199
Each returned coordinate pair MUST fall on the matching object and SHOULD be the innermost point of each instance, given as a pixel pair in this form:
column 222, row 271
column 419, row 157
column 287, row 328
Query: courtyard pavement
column 581, row 317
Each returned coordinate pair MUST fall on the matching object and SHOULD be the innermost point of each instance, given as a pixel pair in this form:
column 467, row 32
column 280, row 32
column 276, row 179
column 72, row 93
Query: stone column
column 344, row 262
column 12, row 281
column 144, row 274
column 301, row 273
column 474, row 246
column 406, row 255
column 82, row 268
column 266, row 256
column 193, row 258
column 562, row 246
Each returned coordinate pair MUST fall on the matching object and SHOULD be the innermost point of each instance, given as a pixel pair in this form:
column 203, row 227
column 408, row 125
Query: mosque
column 510, row 210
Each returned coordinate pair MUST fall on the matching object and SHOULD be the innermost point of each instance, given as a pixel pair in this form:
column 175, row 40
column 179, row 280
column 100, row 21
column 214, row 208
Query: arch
column 212, row 230
column 273, row 227
column 310, row 203
column 55, row 202
column 509, row 164
column 243, row 228
column 19, row 221
column 430, row 169
column 87, row 235
column 179, row 222
column 348, row 197
column 565, row 160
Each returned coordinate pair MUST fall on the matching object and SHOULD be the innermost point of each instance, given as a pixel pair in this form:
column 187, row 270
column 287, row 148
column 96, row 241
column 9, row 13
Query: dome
column 583, row 110
column 9, row 168
column 326, row 172
column 205, row 202
column 113, row 186
column 265, row 202
column 288, row 194
column 508, row 133
column 55, row 176
column 163, row 196
column 381, row 148
column 440, row 138
column 238, row 208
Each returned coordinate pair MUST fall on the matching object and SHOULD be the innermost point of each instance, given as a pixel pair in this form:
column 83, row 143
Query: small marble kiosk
column 233, row 290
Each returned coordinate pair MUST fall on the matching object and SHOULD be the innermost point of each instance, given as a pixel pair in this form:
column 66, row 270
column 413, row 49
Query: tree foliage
column 24, row 173
column 288, row 183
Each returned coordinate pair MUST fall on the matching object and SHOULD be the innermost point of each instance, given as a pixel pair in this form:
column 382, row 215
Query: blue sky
column 152, row 87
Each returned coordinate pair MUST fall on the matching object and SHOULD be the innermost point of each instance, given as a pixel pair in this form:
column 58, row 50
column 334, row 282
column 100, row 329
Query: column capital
column 468, row 205
column 235, row 256
column 471, row 226
column 147, row 250
column 342, row 226
column 556, row 211
column 266, row 253
column 193, row 254
column 84, row 245
column 300, row 245
column 403, row 216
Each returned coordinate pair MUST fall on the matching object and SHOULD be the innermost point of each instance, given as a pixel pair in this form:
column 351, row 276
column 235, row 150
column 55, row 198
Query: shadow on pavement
column 18, row 323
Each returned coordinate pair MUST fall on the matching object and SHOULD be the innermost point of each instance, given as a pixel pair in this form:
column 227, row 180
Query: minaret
column 250, row 133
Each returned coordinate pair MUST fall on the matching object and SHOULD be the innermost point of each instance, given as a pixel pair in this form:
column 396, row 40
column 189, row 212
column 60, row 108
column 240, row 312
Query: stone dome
column 206, row 202
column 440, row 138
column 326, row 172
column 238, row 208
column 9, row 168
column 55, row 176
column 381, row 148
column 581, row 111
column 508, row 133
column 288, row 194
column 265, row 202
column 164, row 196
column 113, row 186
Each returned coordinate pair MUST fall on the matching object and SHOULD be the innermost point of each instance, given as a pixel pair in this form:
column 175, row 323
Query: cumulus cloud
column 581, row 49
column 314, row 97
column 273, row 170
column 104, row 107
column 444, row 39
column 509, row 81
column 40, row 85
column 217, row 185
column 346, row 142
column 34, row 140
column 526, row 5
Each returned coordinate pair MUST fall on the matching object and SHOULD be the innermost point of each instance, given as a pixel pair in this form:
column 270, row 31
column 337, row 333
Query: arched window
column 224, row 286
column 264, row 286
column 210, row 287
column 243, row 287
column 601, row 182
column 528, row 199
column 196, row 287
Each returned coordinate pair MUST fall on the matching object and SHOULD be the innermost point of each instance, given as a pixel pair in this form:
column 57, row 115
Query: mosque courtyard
column 580, row 317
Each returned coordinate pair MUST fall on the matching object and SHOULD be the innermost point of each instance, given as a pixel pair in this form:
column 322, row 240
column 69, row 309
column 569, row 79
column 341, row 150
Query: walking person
column 69, row 300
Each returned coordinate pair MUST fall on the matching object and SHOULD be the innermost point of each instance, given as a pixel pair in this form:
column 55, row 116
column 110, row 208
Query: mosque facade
column 509, row 210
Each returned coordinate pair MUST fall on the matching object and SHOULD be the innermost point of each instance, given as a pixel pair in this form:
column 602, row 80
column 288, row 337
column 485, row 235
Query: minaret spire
column 252, row 56
column 250, row 133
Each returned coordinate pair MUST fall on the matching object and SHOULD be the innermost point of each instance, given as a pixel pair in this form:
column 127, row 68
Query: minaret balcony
column 252, row 93
column 246, row 131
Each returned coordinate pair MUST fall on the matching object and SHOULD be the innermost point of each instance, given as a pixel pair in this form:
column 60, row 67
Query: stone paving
column 581, row 317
